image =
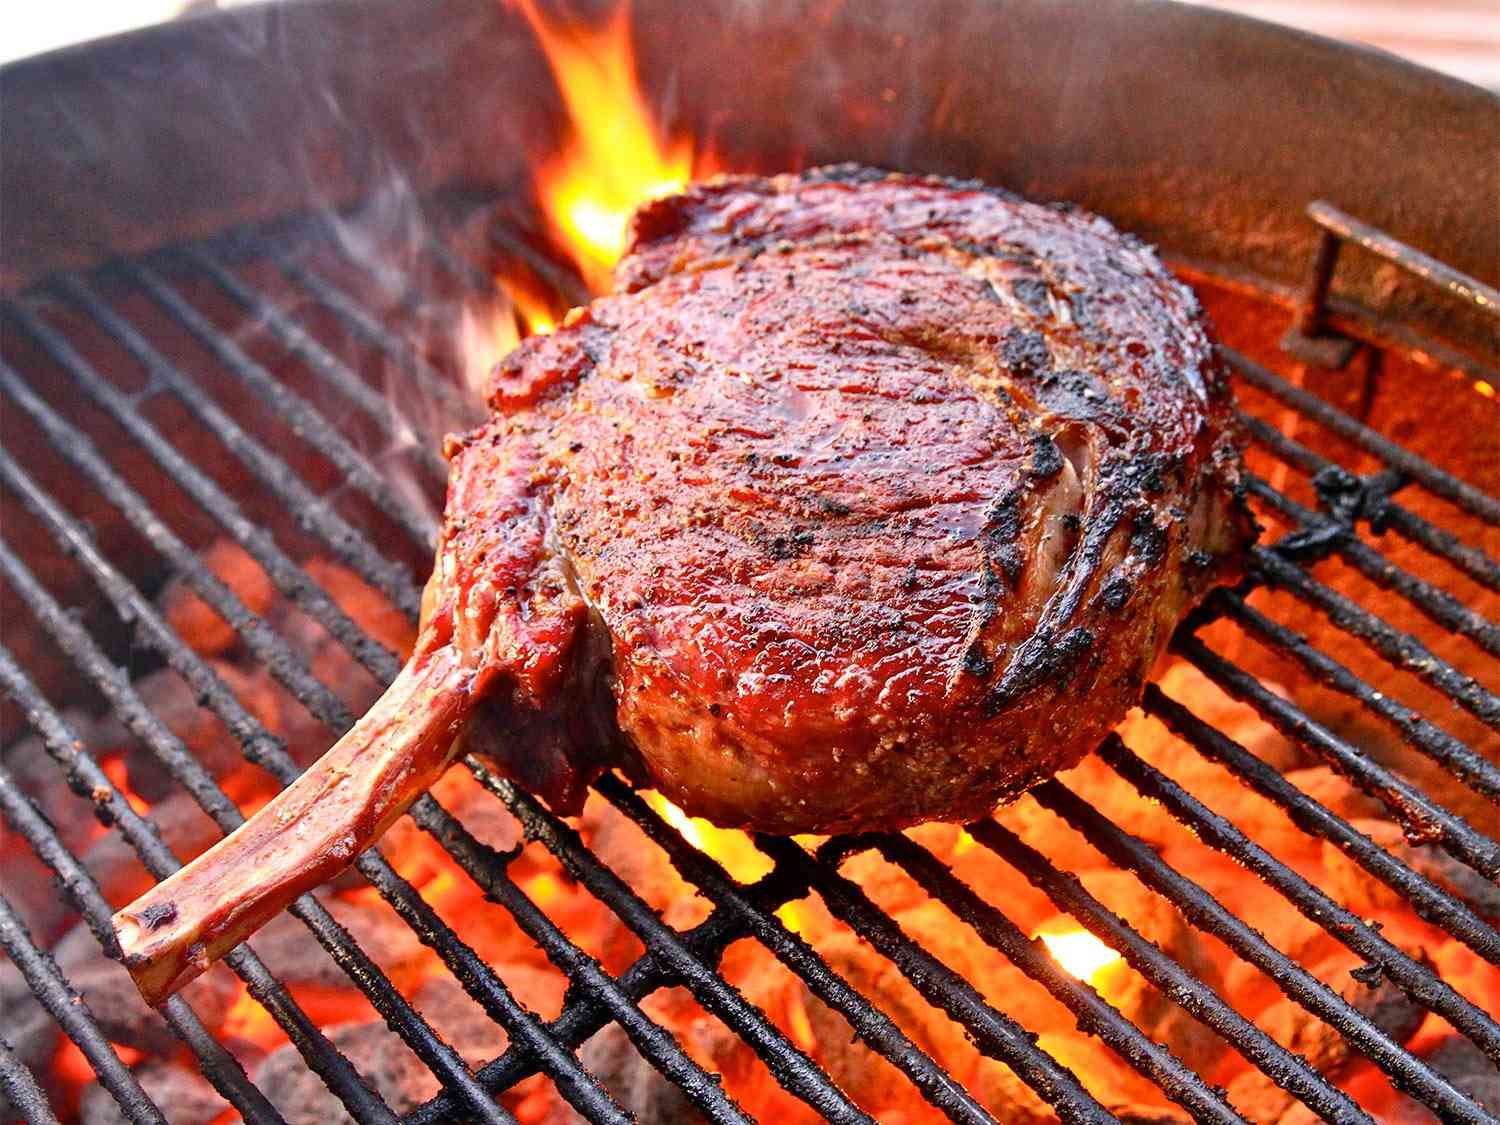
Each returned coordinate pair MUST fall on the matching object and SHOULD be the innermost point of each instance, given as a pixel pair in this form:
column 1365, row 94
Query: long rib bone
column 314, row 829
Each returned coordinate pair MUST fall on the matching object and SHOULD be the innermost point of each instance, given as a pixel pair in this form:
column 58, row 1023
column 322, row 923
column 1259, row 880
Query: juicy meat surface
column 865, row 500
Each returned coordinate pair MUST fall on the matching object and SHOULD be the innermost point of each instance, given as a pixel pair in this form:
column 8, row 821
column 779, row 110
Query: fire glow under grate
column 231, row 404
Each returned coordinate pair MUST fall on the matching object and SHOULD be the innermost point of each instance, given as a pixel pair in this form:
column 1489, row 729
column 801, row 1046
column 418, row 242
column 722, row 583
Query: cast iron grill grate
column 348, row 507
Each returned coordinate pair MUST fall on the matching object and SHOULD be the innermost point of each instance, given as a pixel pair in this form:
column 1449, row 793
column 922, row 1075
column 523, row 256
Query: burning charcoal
column 1383, row 1003
column 885, row 883
column 1010, row 1100
column 998, row 882
column 1297, row 1029
column 479, row 810
column 1148, row 1115
column 329, row 660
column 467, row 1027
column 1239, row 721
column 292, row 953
column 1270, row 827
column 1107, row 1076
column 1364, row 894
column 1120, row 802
column 637, row 1085
column 204, row 630
column 369, row 608
column 1104, row 1074
column 642, row 865
column 1284, row 926
column 482, row 813
column 39, row 777
column 460, row 1020
column 1160, row 923
column 30, row 888
column 1259, row 1100
column 1468, row 1068
column 200, row 730
column 106, row 987
column 861, row 1071
column 396, row 1074
column 888, row 886
column 1337, row 794
column 30, row 1031
column 1050, row 835
column 185, row 828
column 183, row 1097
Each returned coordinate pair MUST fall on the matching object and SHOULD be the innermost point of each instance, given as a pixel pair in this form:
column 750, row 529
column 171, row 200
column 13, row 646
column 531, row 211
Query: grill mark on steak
column 866, row 500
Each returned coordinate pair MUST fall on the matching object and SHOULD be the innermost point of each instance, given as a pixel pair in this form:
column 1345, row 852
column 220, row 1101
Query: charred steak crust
column 871, row 498
column 868, row 499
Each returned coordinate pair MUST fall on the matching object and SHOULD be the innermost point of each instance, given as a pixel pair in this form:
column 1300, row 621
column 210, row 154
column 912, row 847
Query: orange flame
column 615, row 158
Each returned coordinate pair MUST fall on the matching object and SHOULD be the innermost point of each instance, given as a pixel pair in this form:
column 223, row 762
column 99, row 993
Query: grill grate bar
column 259, row 639
column 1287, row 1070
column 488, row 868
column 870, row 1024
column 313, row 512
column 220, row 1067
column 72, row 1014
column 1472, row 500
column 1418, row 982
column 584, row 1014
column 576, row 1085
column 787, row 1062
column 328, row 367
column 290, row 579
column 486, row 987
column 1130, row 852
column 456, row 403
column 1384, row 512
column 1095, row 1015
column 19, row 1089
column 267, row 751
column 1423, row 819
column 1428, row 900
column 739, row 911
column 90, row 782
column 1401, row 649
column 184, row 768
column 995, row 1033
column 1421, row 733
column 305, row 419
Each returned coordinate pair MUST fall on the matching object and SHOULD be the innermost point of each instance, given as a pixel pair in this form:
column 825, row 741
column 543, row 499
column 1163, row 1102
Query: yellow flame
column 1080, row 953
column 614, row 159
column 1486, row 389
column 731, row 847
column 686, row 826
column 793, row 917
column 535, row 317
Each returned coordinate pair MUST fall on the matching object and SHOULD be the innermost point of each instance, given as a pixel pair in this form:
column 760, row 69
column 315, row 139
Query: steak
column 865, row 500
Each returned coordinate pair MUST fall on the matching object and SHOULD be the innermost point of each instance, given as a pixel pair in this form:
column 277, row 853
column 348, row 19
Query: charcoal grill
column 281, row 435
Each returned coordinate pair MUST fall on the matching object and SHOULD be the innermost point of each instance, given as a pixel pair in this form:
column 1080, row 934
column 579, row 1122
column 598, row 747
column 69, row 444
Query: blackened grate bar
column 173, row 284
column 20, row 1089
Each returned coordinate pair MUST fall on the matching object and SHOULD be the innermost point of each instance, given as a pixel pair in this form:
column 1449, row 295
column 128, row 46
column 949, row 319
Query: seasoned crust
column 868, row 500
column 883, row 492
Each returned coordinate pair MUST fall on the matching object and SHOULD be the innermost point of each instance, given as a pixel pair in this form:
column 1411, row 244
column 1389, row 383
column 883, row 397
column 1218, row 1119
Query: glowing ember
column 114, row 769
column 615, row 158
column 1080, row 953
